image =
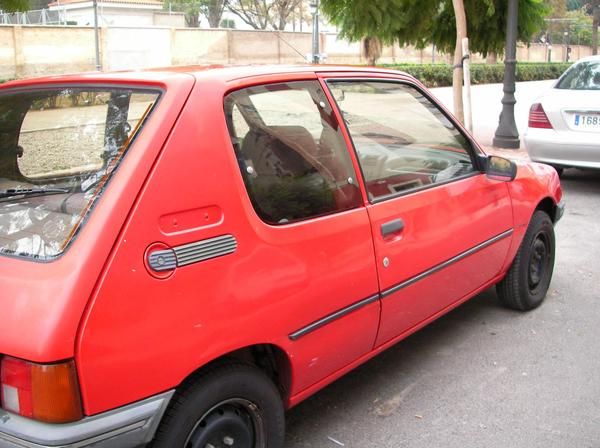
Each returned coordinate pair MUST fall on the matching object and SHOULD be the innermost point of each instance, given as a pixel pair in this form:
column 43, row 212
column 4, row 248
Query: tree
column 595, row 24
column 213, row 11
column 422, row 22
column 262, row 14
column 14, row 5
column 558, row 8
column 457, row 76
column 191, row 9
column 573, row 5
column 372, row 49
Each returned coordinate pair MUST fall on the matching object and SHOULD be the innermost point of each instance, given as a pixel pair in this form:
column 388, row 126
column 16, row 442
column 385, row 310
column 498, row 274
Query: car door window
column 403, row 141
column 291, row 151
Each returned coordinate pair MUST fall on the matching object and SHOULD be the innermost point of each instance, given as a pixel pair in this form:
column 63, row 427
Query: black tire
column 233, row 405
column 526, row 283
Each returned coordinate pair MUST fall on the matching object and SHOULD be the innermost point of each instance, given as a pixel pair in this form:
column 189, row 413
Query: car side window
column 403, row 141
column 291, row 151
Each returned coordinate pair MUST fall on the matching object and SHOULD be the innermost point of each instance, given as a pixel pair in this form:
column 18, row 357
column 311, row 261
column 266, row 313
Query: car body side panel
column 149, row 334
column 40, row 318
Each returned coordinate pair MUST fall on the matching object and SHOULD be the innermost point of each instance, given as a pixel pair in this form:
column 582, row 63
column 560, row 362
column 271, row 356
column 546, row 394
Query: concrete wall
column 37, row 50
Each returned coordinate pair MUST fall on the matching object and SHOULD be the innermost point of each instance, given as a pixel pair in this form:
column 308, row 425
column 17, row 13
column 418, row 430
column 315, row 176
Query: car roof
column 219, row 73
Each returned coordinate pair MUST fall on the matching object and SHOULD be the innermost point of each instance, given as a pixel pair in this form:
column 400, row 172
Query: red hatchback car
column 186, row 253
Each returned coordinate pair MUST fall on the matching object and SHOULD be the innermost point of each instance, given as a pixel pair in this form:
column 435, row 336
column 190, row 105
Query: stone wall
column 40, row 50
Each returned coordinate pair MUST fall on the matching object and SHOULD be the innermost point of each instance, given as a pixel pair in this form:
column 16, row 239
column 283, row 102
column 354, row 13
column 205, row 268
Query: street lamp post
column 96, row 36
column 314, row 10
column 507, row 134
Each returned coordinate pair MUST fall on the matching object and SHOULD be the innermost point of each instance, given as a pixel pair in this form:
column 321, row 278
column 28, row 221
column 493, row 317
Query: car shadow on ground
column 581, row 181
column 398, row 367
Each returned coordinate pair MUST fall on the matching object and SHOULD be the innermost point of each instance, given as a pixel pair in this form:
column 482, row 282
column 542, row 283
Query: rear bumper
column 130, row 426
column 564, row 148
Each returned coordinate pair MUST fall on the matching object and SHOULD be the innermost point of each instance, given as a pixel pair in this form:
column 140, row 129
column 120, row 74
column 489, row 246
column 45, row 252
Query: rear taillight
column 44, row 392
column 538, row 117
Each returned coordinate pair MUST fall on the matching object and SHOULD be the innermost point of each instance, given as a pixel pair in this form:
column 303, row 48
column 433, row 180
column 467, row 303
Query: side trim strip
column 330, row 318
column 445, row 264
column 355, row 306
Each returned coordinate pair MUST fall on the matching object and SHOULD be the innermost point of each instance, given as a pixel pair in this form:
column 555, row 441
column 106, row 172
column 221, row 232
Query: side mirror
column 499, row 168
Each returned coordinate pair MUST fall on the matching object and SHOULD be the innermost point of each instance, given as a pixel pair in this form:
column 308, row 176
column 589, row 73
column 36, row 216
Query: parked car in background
column 184, row 254
column 564, row 123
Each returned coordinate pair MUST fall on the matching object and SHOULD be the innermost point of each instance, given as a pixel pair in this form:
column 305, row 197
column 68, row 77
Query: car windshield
column 581, row 76
column 58, row 149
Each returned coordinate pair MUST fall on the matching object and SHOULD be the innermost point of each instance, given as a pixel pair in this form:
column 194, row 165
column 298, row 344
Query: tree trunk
column 457, row 78
column 215, row 12
column 372, row 48
column 191, row 20
column 595, row 24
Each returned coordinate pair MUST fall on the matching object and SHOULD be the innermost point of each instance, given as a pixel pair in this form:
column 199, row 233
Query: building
column 116, row 13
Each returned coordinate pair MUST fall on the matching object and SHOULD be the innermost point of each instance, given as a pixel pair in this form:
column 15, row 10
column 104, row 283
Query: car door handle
column 395, row 226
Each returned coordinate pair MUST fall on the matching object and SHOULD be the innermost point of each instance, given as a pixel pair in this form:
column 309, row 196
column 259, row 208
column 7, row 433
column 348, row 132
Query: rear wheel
column 232, row 406
column 527, row 281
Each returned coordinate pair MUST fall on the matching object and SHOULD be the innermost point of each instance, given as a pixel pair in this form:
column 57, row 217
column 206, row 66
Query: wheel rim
column 233, row 423
column 539, row 262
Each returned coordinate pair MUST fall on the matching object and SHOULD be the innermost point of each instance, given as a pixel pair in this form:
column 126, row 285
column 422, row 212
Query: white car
column 564, row 123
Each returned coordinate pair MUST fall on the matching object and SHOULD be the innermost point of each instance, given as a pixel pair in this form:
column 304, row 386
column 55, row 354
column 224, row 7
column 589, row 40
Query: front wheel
column 231, row 406
column 526, row 283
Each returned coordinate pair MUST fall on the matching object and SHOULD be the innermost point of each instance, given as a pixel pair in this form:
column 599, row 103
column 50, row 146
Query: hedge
column 440, row 75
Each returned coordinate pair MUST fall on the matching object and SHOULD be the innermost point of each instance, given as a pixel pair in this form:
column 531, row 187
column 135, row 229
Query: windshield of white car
column 581, row 76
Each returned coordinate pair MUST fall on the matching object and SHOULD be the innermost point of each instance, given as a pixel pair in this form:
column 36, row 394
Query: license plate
column 585, row 121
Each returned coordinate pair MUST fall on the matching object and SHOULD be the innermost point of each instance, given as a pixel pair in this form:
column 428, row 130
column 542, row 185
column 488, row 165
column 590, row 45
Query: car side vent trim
column 169, row 259
column 205, row 249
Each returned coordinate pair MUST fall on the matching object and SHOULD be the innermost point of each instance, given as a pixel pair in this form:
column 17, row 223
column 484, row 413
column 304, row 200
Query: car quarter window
column 403, row 141
column 291, row 151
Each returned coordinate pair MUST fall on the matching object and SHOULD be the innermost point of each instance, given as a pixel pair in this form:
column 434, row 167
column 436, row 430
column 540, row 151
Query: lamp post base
column 506, row 142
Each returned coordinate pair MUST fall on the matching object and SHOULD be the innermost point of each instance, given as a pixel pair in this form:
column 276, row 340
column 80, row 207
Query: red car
column 184, row 254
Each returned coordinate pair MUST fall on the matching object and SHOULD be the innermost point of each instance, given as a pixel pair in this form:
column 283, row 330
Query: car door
column 441, row 228
column 312, row 262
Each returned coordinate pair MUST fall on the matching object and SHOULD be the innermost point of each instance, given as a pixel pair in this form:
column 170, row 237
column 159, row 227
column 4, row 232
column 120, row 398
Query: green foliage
column 227, row 23
column 191, row 9
column 558, row 8
column 439, row 75
column 421, row 22
column 579, row 28
column 572, row 5
column 14, row 5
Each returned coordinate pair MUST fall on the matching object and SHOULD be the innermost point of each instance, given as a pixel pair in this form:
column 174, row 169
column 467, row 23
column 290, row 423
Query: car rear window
column 581, row 76
column 58, row 149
